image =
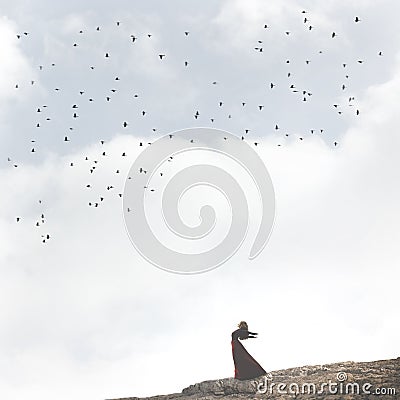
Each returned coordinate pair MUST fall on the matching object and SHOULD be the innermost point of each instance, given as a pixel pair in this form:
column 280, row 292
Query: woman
column 246, row 367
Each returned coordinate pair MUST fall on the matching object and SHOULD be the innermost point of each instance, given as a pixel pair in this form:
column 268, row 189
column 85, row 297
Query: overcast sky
column 82, row 314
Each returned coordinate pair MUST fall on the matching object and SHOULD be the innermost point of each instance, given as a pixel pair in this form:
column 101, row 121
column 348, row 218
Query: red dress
column 246, row 367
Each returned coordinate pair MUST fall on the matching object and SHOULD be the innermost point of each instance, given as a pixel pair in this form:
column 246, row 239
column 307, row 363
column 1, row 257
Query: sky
column 82, row 314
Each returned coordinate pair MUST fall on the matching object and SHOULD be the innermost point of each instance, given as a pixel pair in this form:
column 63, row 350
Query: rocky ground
column 346, row 380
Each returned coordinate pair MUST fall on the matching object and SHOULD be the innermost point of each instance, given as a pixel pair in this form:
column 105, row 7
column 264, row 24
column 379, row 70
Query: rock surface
column 346, row 380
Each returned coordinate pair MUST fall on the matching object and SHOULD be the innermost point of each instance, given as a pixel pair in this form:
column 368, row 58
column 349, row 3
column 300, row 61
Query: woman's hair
column 243, row 325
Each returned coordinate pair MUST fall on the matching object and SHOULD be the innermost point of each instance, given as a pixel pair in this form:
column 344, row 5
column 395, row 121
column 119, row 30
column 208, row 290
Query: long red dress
column 246, row 367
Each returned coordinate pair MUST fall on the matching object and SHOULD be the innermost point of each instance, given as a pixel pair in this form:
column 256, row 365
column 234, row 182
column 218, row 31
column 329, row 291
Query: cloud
column 101, row 310
column 84, row 316
column 14, row 67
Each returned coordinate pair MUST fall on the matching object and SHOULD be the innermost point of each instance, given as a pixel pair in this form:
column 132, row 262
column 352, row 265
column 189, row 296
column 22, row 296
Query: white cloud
column 317, row 289
column 84, row 316
column 14, row 67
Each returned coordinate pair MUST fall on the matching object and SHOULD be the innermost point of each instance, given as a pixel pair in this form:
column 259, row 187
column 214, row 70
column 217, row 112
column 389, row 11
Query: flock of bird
column 44, row 115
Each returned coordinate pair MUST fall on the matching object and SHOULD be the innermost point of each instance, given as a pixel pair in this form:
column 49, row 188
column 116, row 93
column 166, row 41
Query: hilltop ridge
column 344, row 380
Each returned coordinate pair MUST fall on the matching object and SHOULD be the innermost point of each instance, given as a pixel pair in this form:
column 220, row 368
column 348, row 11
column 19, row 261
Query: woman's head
column 243, row 325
